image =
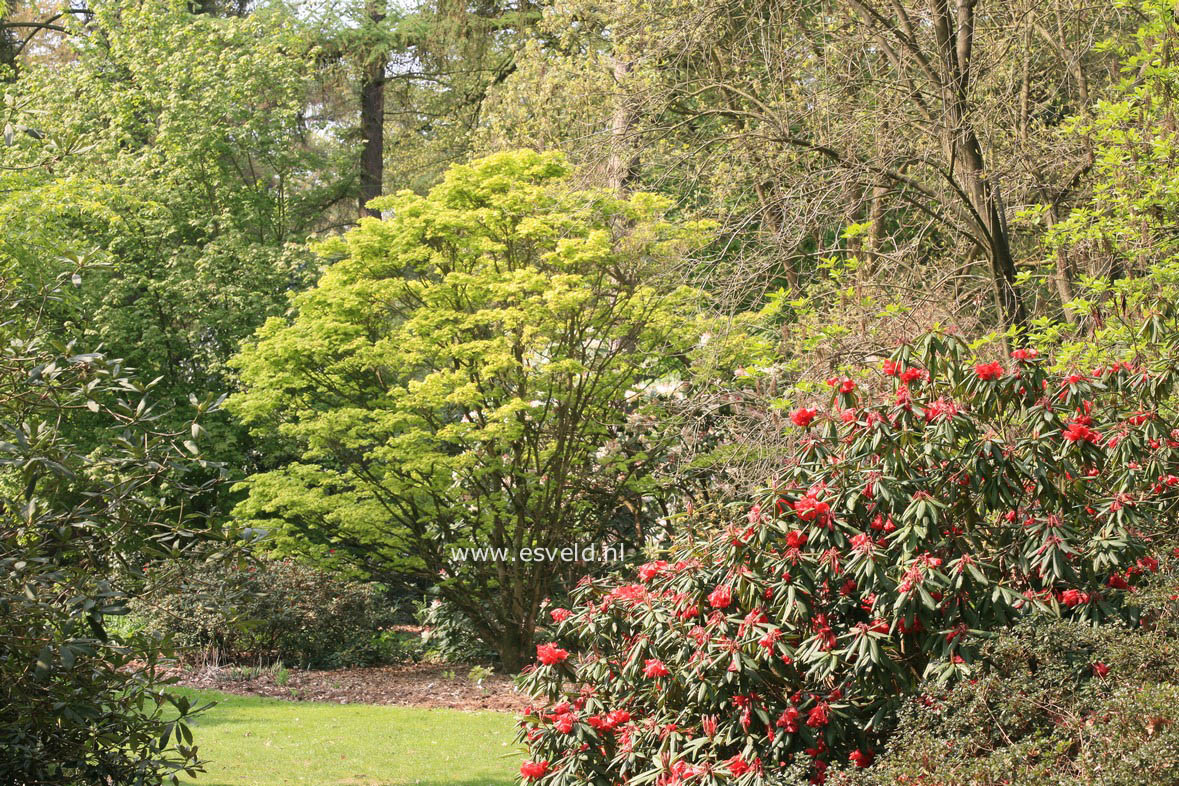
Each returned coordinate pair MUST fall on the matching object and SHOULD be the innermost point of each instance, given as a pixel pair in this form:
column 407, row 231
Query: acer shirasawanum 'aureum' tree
column 470, row 373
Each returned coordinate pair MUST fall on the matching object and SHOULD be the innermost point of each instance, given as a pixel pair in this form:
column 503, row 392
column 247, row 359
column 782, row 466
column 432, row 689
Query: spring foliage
column 465, row 376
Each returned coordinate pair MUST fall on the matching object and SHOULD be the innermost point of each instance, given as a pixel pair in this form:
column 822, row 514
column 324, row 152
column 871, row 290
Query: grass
column 251, row 741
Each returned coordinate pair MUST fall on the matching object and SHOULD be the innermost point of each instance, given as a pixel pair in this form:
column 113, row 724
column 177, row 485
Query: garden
column 589, row 393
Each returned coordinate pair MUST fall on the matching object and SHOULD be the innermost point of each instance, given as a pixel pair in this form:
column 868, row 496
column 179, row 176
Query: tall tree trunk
column 514, row 652
column 623, row 164
column 9, row 49
column 954, row 32
column 1063, row 275
column 771, row 221
column 984, row 198
column 876, row 234
column 372, row 119
column 852, row 212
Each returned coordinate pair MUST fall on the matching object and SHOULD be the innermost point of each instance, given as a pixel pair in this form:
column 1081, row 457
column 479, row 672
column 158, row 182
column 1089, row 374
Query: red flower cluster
column 1078, row 431
column 811, row 508
column 844, row 385
column 534, row 769
column 721, row 597
column 803, row 416
column 861, row 758
column 988, row 371
column 655, row 668
column 550, row 654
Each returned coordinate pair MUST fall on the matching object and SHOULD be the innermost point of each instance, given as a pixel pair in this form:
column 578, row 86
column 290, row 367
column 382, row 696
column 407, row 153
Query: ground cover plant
column 908, row 528
column 1065, row 704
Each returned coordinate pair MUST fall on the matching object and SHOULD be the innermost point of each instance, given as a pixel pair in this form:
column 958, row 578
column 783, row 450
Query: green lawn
column 266, row 742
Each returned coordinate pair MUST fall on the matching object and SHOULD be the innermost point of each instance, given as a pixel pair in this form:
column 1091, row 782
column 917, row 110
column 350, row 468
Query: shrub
column 898, row 539
column 1062, row 703
column 82, row 704
column 449, row 636
column 271, row 610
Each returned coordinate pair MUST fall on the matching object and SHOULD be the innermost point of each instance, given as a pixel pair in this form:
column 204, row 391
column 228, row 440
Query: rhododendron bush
column 906, row 529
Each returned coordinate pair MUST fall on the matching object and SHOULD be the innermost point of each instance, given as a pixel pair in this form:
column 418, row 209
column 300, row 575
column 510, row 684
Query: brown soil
column 409, row 685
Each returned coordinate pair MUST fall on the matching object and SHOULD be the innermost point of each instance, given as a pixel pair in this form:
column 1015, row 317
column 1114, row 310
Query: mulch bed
column 407, row 685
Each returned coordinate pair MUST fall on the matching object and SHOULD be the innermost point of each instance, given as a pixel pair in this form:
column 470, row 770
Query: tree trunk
column 372, row 120
column 9, row 49
column 514, row 646
column 985, row 200
column 876, row 234
column 954, row 32
column 623, row 165
column 772, row 224
column 1063, row 277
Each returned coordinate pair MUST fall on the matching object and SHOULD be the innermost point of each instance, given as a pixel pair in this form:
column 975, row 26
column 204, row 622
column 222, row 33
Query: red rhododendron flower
column 618, row 717
column 904, row 626
column 599, row 722
column 942, row 408
column 651, row 570
column 721, row 597
column 738, row 766
column 550, row 654
column 844, row 385
column 861, row 758
column 803, row 416
column 629, row 593
column 534, row 769
column 818, row 716
column 770, row 639
column 788, row 720
column 1100, row 669
column 655, row 668
column 988, row 371
column 1025, row 354
column 1080, row 432
column 560, row 615
column 911, row 375
column 810, row 509
column 1073, row 597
